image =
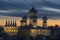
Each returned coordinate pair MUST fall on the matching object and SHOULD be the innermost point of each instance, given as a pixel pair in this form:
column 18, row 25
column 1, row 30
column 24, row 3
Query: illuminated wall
column 35, row 32
column 11, row 29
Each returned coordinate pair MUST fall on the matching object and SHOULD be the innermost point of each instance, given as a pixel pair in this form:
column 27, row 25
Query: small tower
column 11, row 23
column 6, row 23
column 15, row 23
column 24, row 18
column 45, row 21
column 24, row 21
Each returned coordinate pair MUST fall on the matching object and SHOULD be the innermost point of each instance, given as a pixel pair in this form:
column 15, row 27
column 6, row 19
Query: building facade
column 11, row 27
column 29, row 30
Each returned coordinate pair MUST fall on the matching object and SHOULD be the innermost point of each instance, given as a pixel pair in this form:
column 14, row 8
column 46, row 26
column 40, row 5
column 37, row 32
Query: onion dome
column 24, row 17
column 44, row 18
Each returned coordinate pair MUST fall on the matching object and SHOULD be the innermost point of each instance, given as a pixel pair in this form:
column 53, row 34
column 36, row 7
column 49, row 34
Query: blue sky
column 50, row 8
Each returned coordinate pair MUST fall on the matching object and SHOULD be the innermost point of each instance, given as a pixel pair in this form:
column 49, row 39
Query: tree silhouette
column 48, row 38
column 38, row 37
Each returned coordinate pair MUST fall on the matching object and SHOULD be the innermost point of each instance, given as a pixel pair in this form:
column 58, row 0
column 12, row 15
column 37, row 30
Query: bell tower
column 24, row 21
column 45, row 21
column 32, row 15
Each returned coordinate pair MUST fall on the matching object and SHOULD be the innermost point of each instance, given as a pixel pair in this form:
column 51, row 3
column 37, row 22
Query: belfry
column 33, row 15
column 45, row 21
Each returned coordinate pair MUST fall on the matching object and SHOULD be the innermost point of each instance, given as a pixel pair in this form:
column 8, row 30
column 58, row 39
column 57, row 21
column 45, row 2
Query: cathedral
column 33, row 29
column 30, row 30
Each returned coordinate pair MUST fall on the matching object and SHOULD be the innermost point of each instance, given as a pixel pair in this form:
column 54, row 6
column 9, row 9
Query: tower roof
column 6, row 23
column 33, row 10
column 23, row 21
column 24, row 17
column 44, row 17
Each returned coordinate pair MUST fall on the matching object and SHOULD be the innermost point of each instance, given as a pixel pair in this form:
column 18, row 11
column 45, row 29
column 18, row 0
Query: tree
column 48, row 38
column 38, row 37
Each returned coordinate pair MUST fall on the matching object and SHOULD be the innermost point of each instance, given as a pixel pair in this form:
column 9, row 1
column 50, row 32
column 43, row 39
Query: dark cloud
column 53, row 5
column 20, row 7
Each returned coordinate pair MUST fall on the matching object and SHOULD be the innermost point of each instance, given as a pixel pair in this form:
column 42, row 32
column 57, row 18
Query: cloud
column 4, row 11
column 24, row 11
column 54, row 1
column 7, row 11
column 9, row 17
column 12, row 11
column 22, row 1
column 31, row 1
column 20, row 7
column 51, row 9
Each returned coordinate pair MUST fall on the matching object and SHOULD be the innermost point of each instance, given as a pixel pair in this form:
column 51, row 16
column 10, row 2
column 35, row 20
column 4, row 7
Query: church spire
column 6, row 23
column 33, row 11
column 15, row 23
column 11, row 23
column 33, row 7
